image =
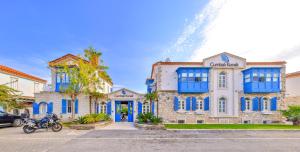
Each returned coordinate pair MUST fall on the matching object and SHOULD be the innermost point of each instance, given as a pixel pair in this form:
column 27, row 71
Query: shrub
column 292, row 114
column 148, row 118
column 92, row 118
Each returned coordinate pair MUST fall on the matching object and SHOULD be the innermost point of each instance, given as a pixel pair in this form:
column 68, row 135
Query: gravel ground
column 13, row 139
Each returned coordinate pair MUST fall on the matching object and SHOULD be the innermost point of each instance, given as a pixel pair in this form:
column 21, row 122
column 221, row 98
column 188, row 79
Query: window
column 247, row 122
column 262, row 77
column 222, row 80
column 43, row 108
column 103, row 108
column 181, row 105
column 184, row 76
column 14, row 83
column 181, row 121
column 63, row 77
column 200, row 121
column 199, row 105
column 191, row 77
column 266, row 104
column 248, row 104
column 198, row 77
column 204, row 77
column 247, row 78
column 222, row 105
column 69, row 106
column 146, row 107
column 58, row 78
column 275, row 77
column 268, row 78
column 36, row 87
column 255, row 77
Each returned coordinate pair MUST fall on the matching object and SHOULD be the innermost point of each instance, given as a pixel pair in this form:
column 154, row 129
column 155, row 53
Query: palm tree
column 152, row 97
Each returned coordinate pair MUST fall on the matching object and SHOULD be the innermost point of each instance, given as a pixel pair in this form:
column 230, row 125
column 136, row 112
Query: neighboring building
column 293, row 88
column 52, row 100
column 25, row 83
column 223, row 88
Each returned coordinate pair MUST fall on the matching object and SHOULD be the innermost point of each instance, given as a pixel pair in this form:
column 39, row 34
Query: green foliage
column 151, row 96
column 9, row 98
column 292, row 114
column 149, row 118
column 93, row 118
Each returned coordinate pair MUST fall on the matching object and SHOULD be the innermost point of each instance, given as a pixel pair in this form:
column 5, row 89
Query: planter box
column 90, row 126
column 150, row 126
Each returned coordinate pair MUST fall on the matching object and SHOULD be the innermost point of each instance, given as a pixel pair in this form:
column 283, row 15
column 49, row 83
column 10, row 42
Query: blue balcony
column 149, row 83
column 192, row 79
column 261, row 80
column 62, row 82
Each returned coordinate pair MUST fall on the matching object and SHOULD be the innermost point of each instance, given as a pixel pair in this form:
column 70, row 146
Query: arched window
column 222, row 80
column 146, row 107
column 266, row 104
column 103, row 107
column 43, row 108
column 247, row 104
column 199, row 105
column 222, row 105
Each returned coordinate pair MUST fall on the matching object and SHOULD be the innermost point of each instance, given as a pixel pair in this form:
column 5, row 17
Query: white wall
column 293, row 86
column 25, row 86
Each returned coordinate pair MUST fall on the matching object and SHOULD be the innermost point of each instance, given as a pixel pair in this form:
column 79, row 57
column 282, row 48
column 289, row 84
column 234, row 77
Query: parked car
column 7, row 119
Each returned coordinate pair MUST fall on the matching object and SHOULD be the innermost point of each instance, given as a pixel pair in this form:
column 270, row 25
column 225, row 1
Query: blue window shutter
column 140, row 106
column 153, row 106
column 97, row 110
column 274, row 104
column 63, row 106
column 188, row 104
column 50, row 108
column 243, row 104
column 76, row 106
column 261, row 104
column 108, row 108
column 255, row 104
column 206, row 104
column 194, row 103
column 35, row 107
column 176, row 104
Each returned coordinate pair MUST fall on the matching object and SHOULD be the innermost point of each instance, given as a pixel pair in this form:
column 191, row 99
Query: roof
column 267, row 63
column 293, row 74
column 53, row 62
column 201, row 63
column 17, row 73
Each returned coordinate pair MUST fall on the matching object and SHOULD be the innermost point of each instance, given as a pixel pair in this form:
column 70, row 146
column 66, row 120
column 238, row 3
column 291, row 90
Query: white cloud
column 259, row 30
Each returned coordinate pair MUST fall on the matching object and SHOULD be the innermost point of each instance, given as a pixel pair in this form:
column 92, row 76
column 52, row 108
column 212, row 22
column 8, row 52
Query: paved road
column 12, row 139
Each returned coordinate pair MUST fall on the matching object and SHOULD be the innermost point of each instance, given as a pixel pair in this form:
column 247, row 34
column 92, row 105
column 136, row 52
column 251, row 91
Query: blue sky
column 134, row 34
column 131, row 34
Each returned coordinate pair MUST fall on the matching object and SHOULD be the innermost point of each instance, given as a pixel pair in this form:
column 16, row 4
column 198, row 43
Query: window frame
column 103, row 107
column 200, row 105
column 248, row 104
column 222, row 105
column 146, row 107
column 69, row 106
column 222, row 80
column 181, row 106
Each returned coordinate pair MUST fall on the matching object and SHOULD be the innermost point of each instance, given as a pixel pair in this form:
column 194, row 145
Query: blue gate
column 118, row 111
column 130, row 111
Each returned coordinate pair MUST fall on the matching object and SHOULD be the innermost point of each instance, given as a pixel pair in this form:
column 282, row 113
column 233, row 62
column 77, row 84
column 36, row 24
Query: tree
column 80, row 74
column 92, row 55
column 152, row 97
column 84, row 77
column 9, row 97
column 292, row 114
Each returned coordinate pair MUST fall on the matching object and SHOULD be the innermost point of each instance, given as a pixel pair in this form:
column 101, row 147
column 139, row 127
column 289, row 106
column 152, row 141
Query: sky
column 133, row 34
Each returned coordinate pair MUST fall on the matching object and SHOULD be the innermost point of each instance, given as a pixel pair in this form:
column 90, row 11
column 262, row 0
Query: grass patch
column 233, row 126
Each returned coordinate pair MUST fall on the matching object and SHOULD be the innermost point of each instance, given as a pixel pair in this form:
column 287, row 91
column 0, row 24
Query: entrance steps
column 118, row 126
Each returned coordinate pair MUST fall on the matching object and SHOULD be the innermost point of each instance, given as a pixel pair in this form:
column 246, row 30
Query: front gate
column 118, row 111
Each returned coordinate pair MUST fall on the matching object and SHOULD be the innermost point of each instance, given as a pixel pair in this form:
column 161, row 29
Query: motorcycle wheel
column 28, row 130
column 57, row 127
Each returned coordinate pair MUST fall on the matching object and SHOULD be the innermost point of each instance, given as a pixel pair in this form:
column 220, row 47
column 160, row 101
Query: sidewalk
column 118, row 126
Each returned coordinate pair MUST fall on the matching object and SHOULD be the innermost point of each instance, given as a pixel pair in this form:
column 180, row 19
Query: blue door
column 118, row 109
column 130, row 111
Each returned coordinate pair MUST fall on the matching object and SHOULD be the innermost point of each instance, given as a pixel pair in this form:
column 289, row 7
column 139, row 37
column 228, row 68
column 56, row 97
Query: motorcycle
column 49, row 121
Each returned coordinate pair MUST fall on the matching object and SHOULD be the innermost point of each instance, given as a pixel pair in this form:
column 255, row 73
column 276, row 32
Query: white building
column 223, row 88
column 53, row 100
column 293, row 88
column 26, row 84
